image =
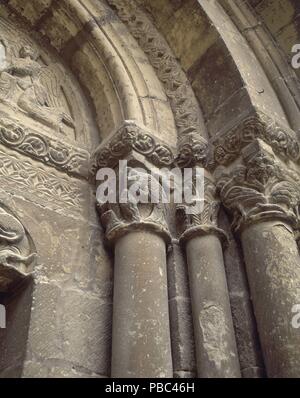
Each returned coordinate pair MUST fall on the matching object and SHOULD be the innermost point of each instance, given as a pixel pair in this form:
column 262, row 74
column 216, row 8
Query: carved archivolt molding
column 183, row 102
column 260, row 188
column 128, row 138
column 284, row 142
column 44, row 149
column 17, row 253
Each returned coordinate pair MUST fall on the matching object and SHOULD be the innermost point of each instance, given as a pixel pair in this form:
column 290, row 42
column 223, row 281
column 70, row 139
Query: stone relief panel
column 43, row 113
column 17, row 251
column 36, row 184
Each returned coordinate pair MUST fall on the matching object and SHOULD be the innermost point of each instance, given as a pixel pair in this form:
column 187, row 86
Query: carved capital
column 130, row 214
column 229, row 144
column 130, row 138
column 192, row 150
column 17, row 253
column 204, row 223
column 261, row 188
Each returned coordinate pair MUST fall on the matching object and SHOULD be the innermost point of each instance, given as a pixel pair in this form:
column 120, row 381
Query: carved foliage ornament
column 182, row 99
column 206, row 222
column 17, row 253
column 129, row 138
column 49, row 151
column 259, row 189
column 283, row 141
column 56, row 193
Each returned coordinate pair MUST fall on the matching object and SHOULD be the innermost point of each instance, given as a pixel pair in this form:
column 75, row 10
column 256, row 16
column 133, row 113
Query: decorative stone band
column 203, row 230
column 262, row 188
column 128, row 138
column 52, row 152
column 122, row 229
column 204, row 223
column 183, row 102
column 228, row 145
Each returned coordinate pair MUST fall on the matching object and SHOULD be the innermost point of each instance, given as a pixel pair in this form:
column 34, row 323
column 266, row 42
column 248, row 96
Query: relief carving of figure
column 16, row 255
column 34, row 89
column 134, row 210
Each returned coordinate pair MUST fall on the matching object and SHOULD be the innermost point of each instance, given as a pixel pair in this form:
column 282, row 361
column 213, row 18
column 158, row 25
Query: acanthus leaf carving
column 205, row 222
column 260, row 188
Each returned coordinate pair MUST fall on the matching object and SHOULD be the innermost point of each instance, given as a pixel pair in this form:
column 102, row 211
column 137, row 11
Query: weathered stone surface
column 181, row 324
column 141, row 344
column 242, row 312
column 272, row 260
column 205, row 77
column 215, row 342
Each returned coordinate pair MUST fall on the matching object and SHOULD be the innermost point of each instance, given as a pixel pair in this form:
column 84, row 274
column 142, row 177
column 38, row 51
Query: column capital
column 127, row 139
column 229, row 143
column 130, row 214
column 192, row 150
column 206, row 222
column 260, row 187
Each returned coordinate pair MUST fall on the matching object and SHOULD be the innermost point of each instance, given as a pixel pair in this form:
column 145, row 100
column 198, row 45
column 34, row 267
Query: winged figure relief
column 35, row 89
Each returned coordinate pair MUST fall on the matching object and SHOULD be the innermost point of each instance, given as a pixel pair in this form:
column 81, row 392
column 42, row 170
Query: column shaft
column 214, row 335
column 273, row 268
column 141, row 345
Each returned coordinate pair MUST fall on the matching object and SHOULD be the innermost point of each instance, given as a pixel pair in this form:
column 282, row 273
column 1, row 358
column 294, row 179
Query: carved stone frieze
column 48, row 150
column 128, row 138
column 39, row 185
column 228, row 146
column 259, row 189
column 17, row 253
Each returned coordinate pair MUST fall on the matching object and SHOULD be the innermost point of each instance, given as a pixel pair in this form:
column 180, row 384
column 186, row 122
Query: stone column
column 141, row 332
column 141, row 344
column 216, row 351
column 138, row 234
column 181, row 321
column 263, row 194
